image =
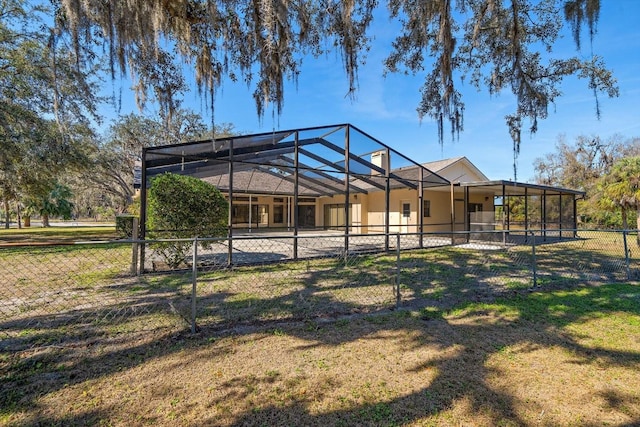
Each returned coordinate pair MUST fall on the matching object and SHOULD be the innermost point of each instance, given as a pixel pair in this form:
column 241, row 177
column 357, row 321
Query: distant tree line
column 53, row 161
column 608, row 171
column 106, row 185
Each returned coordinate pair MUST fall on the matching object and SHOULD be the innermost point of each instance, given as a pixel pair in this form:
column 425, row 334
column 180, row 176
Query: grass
column 564, row 357
column 473, row 342
column 63, row 234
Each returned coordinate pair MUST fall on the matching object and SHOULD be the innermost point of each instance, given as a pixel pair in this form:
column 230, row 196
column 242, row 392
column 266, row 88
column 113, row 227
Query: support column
column 504, row 224
column 288, row 213
column 387, row 201
column 526, row 212
column 560, row 215
column 453, row 212
column 143, row 209
column 467, row 216
column 544, row 215
column 346, row 192
column 420, row 206
column 296, row 181
column 508, row 211
column 250, row 214
column 230, row 218
column 575, row 217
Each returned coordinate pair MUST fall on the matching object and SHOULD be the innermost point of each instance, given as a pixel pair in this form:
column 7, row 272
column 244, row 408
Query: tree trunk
column 624, row 219
column 19, row 215
column 6, row 213
column 45, row 220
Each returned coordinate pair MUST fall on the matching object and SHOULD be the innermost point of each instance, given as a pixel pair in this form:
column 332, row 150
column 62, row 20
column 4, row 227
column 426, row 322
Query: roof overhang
column 511, row 188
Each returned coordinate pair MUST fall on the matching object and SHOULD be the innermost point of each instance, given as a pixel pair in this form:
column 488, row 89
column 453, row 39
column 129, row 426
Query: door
column 405, row 215
column 475, row 213
column 306, row 216
column 263, row 215
column 334, row 216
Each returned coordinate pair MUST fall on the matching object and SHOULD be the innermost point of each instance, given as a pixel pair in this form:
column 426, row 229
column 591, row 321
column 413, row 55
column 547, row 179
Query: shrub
column 124, row 226
column 184, row 207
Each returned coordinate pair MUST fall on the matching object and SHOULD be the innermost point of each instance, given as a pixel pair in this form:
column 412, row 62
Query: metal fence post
column 194, row 274
column 534, row 261
column 346, row 250
column 626, row 254
column 398, row 270
column 134, row 247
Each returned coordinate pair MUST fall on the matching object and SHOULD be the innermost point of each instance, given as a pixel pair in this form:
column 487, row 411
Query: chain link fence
column 76, row 293
column 80, row 292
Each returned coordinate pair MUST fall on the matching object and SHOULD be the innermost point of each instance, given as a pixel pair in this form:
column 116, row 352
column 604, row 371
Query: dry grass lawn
column 563, row 357
column 472, row 346
column 68, row 234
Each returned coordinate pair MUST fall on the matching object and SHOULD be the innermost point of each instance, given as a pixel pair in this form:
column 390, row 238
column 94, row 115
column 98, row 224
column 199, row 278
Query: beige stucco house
column 300, row 179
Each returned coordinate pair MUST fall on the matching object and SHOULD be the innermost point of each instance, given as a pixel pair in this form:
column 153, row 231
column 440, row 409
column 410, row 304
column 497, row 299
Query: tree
column 111, row 174
column 47, row 104
column 35, row 153
column 492, row 44
column 57, row 203
column 620, row 189
column 184, row 207
column 580, row 165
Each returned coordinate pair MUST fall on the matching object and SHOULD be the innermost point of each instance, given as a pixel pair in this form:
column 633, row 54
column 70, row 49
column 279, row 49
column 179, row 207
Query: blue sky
column 386, row 107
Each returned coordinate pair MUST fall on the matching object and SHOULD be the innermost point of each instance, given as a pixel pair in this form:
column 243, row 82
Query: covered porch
column 529, row 209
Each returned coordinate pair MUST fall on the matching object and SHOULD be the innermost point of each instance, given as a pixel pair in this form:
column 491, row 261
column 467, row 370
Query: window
column 334, row 216
column 426, row 208
column 240, row 214
column 475, row 207
column 406, row 210
column 278, row 214
column 259, row 214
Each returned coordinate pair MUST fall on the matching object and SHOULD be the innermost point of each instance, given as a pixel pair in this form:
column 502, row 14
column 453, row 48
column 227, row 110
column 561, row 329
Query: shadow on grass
column 535, row 323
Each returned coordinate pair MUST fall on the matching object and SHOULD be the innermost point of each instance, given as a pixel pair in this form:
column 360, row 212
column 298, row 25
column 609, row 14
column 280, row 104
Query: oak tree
column 113, row 163
column 500, row 45
column 48, row 103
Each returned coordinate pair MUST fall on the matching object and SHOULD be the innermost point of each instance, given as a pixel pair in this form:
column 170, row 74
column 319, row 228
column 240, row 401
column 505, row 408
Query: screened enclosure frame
column 340, row 162
column 298, row 163
column 537, row 204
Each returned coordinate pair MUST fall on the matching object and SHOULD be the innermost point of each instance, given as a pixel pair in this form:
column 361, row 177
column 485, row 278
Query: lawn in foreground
column 561, row 357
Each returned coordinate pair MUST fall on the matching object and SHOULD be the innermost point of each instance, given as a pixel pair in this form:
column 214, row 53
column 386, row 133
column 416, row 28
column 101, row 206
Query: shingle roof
column 260, row 182
column 438, row 165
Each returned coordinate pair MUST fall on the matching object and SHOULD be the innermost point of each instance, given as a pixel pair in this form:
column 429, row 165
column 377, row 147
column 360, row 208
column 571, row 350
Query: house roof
column 512, row 188
column 441, row 166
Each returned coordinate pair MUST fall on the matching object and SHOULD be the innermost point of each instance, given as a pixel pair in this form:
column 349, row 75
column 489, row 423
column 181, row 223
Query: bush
column 184, row 207
column 124, row 226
